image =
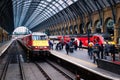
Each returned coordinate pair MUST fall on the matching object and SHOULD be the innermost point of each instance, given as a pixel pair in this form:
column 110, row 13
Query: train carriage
column 99, row 38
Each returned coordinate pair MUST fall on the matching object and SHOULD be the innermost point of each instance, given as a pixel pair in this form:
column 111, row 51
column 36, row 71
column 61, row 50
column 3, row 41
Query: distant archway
column 75, row 29
column 98, row 27
column 88, row 27
column 81, row 27
column 71, row 29
column 62, row 31
column 66, row 30
column 110, row 26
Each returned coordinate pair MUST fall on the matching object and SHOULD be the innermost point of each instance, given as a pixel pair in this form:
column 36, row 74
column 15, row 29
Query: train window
column 108, row 38
column 37, row 37
column 43, row 37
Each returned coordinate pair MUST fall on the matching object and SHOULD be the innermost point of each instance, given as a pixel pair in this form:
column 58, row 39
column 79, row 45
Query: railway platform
column 4, row 46
column 81, row 58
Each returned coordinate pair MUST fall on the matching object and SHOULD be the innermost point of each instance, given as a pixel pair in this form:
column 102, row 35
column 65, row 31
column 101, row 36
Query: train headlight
column 36, row 47
column 45, row 47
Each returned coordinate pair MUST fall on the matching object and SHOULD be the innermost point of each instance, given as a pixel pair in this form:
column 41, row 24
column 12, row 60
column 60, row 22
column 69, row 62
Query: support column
column 101, row 29
column 93, row 29
column 116, row 32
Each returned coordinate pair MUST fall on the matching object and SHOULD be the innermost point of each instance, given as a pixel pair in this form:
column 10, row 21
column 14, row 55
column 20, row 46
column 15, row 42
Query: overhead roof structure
column 36, row 14
column 6, row 15
column 33, row 12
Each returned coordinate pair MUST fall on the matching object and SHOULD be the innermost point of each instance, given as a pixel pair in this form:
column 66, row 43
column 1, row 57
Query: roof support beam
column 113, row 11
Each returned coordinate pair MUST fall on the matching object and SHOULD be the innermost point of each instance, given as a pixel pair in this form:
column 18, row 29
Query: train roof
column 38, row 33
column 104, row 34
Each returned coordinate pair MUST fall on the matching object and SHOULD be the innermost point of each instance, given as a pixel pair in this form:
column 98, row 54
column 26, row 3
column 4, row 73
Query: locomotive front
column 39, row 42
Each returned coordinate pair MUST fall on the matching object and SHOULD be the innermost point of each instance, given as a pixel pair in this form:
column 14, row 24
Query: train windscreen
column 108, row 38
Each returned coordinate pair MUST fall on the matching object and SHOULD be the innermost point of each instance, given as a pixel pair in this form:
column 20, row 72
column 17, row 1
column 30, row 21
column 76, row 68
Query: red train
column 37, row 43
column 100, row 38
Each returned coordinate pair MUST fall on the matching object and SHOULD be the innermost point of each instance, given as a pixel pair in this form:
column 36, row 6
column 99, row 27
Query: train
column 37, row 43
column 99, row 38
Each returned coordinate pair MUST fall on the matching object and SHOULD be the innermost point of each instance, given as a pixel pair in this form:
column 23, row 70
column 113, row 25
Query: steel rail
column 2, row 77
column 43, row 72
column 62, row 72
column 21, row 68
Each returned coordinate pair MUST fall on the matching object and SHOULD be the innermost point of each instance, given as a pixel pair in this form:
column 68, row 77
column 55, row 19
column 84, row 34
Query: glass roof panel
column 49, row 0
column 98, row 6
column 106, row 2
column 75, row 0
column 82, row 7
column 117, row 1
column 101, row 3
column 89, row 5
column 61, row 1
column 69, row 2
column 56, row 4
column 93, row 4
column 56, row 8
column 60, row 7
column 44, row 5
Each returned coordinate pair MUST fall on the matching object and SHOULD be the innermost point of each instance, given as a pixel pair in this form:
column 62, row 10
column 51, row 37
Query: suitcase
column 71, row 49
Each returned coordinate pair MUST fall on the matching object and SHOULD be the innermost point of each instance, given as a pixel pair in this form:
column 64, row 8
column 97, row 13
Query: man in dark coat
column 67, row 47
column 112, row 51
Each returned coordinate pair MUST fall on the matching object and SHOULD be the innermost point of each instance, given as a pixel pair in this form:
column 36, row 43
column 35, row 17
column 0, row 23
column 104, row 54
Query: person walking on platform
column 67, row 48
column 62, row 44
column 106, row 49
column 51, row 45
column 101, row 50
column 75, row 44
column 96, row 53
column 80, row 45
column 90, row 49
column 112, row 51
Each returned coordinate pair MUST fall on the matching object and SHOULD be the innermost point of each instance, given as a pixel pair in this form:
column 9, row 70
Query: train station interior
column 58, row 18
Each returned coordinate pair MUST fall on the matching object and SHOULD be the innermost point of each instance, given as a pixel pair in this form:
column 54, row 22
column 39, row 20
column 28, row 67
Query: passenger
column 71, row 46
column 80, row 45
column 97, row 50
column 90, row 49
column 106, row 49
column 62, row 44
column 112, row 51
column 102, row 50
column 51, row 45
column 57, row 46
column 67, row 48
column 75, row 44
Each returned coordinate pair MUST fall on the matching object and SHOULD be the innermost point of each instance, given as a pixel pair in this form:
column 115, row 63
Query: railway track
column 46, row 71
column 54, row 72
column 12, row 69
